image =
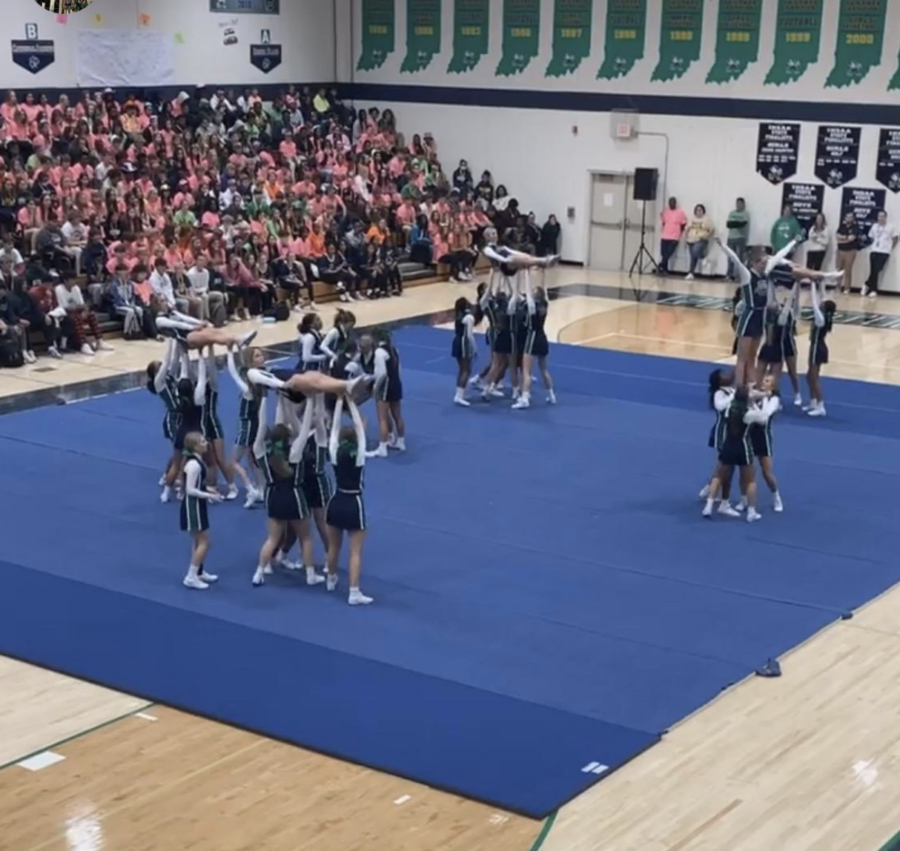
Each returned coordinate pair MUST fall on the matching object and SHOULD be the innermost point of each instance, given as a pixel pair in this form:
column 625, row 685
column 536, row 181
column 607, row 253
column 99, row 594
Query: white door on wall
column 633, row 212
column 609, row 210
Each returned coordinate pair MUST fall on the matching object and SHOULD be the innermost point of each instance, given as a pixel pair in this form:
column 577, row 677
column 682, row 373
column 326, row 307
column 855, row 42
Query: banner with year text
column 626, row 33
column 860, row 41
column 737, row 41
column 423, row 34
column 521, row 35
column 471, row 29
column 377, row 34
column 571, row 36
column 681, row 32
column 798, row 36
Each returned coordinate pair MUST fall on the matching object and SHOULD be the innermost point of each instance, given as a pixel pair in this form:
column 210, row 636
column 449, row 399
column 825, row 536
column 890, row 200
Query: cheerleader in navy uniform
column 312, row 358
column 823, row 319
column 194, row 510
column 483, row 311
column 206, row 394
column 346, row 510
column 339, row 337
column 388, row 391
column 495, row 303
column 317, row 487
column 279, row 454
column 162, row 382
column 769, row 403
column 464, row 348
column 737, row 451
column 535, row 345
column 721, row 393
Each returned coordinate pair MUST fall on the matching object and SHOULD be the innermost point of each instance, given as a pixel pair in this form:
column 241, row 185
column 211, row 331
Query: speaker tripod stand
column 643, row 257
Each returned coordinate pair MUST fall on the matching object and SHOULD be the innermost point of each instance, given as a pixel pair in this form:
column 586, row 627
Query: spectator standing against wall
column 883, row 239
column 819, row 240
column 674, row 221
column 847, row 239
column 700, row 230
column 738, row 225
column 549, row 244
column 785, row 230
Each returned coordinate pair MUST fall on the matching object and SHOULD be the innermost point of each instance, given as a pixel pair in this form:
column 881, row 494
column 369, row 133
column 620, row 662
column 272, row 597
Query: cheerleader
column 721, row 394
column 535, row 344
column 312, row 358
column 346, row 511
column 737, row 451
column 195, row 334
column 464, row 349
column 317, row 488
column 194, row 510
column 161, row 381
column 495, row 304
column 780, row 348
column 388, row 391
column 823, row 319
column 482, row 310
column 339, row 337
column 279, row 454
column 206, row 394
column 769, row 403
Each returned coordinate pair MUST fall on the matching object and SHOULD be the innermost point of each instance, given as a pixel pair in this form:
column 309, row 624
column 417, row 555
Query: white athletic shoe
column 357, row 598
column 551, row 397
column 287, row 564
column 689, row 276
column 459, row 400
column 475, row 382
column 872, row 294
column 103, row 346
column 331, row 582
column 166, row 494
column 87, row 350
column 253, row 496
column 521, row 403
column 313, row 578
column 728, row 510
column 704, row 492
column 817, row 411
column 54, row 352
column 753, row 515
column 798, row 400
column 232, row 493
column 398, row 444
column 194, row 582
column 267, row 570
column 708, row 508
column 208, row 578
column 864, row 291
column 246, row 339
column 742, row 505
column 381, row 452
column 779, row 505
column 258, row 578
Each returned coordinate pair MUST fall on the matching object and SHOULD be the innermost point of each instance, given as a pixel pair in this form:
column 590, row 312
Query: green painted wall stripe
column 542, row 836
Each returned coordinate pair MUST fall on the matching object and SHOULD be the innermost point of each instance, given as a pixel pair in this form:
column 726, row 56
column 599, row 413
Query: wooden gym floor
column 809, row 761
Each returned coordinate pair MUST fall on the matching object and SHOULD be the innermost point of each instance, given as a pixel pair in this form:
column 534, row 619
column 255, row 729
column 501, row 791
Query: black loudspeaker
column 645, row 180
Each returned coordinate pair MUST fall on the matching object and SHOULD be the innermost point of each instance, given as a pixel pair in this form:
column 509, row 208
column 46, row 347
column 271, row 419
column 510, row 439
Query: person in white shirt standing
column 883, row 238
column 76, row 234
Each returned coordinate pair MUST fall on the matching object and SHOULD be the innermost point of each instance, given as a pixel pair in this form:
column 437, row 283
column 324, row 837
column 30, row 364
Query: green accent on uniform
column 737, row 41
column 377, row 34
column 545, row 830
column 471, row 31
column 681, row 32
column 521, row 36
column 860, row 41
column 798, row 34
column 626, row 33
column 572, row 21
column 423, row 34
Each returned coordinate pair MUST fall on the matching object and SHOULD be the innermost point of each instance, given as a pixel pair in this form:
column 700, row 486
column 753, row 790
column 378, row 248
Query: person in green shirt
column 785, row 230
column 738, row 225
column 185, row 217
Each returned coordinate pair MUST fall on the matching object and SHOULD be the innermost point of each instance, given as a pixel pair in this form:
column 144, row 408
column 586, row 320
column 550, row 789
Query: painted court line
column 146, row 716
column 403, row 799
column 40, row 761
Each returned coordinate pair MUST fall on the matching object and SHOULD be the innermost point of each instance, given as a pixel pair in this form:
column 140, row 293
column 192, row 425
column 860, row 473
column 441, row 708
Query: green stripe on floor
column 542, row 836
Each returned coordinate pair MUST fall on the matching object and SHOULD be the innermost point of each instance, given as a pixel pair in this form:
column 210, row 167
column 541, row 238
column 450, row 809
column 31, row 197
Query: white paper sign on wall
column 31, row 32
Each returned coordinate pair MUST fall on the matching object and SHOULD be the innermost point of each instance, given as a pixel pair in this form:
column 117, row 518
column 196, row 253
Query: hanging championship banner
column 679, row 40
column 571, row 36
column 471, row 27
column 626, row 31
column 266, row 57
column 377, row 34
column 521, row 35
column 864, row 204
column 837, row 154
column 33, row 55
column 737, row 39
column 776, row 151
column 423, row 34
column 798, row 34
column 887, row 172
column 860, row 41
column 806, row 200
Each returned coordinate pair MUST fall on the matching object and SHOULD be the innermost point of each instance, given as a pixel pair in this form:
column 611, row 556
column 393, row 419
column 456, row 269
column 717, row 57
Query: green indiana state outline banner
column 626, row 33
column 679, row 39
column 521, row 36
column 571, row 36
column 471, row 29
column 737, row 39
column 798, row 33
column 377, row 34
column 423, row 34
column 860, row 41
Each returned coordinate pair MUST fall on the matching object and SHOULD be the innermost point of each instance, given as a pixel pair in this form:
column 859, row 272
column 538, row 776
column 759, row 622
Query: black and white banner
column 266, row 57
column 806, row 200
column 837, row 154
column 864, row 204
column 33, row 55
column 777, row 151
column 887, row 173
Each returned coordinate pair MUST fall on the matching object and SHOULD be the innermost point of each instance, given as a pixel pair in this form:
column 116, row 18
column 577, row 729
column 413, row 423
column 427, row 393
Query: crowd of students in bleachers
column 223, row 207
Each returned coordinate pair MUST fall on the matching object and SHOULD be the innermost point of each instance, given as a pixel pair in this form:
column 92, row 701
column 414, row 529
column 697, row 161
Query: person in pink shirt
column 674, row 221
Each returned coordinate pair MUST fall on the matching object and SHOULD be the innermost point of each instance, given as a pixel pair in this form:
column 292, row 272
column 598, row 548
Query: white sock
column 709, row 504
column 459, row 394
column 382, row 448
column 194, row 571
